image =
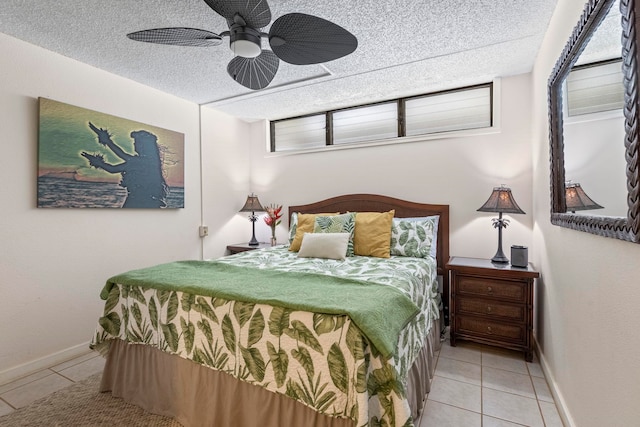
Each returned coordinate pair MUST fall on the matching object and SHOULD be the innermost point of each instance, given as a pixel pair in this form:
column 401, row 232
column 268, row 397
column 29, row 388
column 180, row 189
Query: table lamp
column 253, row 205
column 501, row 200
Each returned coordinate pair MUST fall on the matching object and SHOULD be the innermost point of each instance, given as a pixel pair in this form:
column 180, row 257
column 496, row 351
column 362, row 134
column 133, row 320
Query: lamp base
column 500, row 259
column 253, row 218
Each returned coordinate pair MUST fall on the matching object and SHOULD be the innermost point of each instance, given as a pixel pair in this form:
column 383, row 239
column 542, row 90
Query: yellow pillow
column 372, row 236
column 306, row 223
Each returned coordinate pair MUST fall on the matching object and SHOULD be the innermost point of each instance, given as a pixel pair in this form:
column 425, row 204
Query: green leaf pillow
column 345, row 223
column 293, row 226
column 414, row 237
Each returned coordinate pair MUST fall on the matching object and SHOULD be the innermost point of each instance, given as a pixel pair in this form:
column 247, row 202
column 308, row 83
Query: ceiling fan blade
column 177, row 36
column 302, row 39
column 254, row 73
column 256, row 13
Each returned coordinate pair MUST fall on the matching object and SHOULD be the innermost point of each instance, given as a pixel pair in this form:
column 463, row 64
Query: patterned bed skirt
column 195, row 395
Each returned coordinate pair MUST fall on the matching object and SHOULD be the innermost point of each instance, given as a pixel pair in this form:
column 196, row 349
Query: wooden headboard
column 403, row 209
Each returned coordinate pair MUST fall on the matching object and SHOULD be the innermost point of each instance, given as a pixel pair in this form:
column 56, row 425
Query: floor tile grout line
column 51, row 372
column 67, row 378
column 544, row 422
column 528, row 373
column 481, row 392
column 481, row 413
column 535, row 393
column 39, row 379
column 494, row 367
column 462, row 409
column 511, row 393
column 75, row 364
column 10, row 405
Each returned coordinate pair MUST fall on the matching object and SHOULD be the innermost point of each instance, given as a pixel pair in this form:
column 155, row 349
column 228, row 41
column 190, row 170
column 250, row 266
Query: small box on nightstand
column 519, row 256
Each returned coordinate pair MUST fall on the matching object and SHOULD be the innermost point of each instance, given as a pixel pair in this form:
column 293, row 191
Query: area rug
column 81, row 404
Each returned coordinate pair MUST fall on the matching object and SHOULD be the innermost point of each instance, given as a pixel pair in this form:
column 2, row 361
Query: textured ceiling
column 605, row 43
column 405, row 47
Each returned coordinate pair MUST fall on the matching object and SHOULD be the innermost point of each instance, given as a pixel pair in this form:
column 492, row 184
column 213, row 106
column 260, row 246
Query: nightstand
column 492, row 304
column 242, row 247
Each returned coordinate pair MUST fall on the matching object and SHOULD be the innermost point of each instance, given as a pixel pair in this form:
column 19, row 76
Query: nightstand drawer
column 505, row 290
column 491, row 330
column 489, row 308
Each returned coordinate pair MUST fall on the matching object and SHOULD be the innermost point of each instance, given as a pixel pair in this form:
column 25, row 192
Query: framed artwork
column 88, row 159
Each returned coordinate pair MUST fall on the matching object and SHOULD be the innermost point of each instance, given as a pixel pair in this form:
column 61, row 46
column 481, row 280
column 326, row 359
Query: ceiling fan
column 295, row 38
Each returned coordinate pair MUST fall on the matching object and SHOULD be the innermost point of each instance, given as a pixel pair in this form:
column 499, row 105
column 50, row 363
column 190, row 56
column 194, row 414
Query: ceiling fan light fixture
column 245, row 41
column 245, row 48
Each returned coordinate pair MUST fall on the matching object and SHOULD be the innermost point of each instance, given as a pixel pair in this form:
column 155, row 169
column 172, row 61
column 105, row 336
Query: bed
column 254, row 352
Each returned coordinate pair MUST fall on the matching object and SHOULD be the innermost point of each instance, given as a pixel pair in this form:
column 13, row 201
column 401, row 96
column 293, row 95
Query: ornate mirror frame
column 617, row 227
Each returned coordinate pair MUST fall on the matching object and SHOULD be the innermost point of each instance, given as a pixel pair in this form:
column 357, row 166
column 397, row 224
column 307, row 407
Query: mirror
column 621, row 219
column 593, row 125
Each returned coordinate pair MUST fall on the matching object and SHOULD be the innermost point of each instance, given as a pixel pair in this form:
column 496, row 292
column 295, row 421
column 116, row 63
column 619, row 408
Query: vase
column 273, row 241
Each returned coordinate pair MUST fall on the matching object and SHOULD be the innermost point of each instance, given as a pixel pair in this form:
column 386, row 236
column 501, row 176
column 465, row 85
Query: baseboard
column 563, row 411
column 45, row 362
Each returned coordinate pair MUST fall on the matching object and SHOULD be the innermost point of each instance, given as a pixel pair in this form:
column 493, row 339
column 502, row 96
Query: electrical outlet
column 204, row 231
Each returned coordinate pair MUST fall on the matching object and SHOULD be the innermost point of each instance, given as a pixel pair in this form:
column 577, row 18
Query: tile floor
column 474, row 386
column 25, row 390
column 482, row 386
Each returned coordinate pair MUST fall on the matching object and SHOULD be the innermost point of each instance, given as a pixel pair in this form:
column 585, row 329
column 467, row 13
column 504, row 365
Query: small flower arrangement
column 273, row 218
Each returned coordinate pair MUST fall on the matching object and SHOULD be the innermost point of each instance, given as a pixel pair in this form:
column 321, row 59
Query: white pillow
column 324, row 245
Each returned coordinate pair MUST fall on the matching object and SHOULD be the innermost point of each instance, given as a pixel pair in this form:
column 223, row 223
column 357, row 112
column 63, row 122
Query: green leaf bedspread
column 323, row 360
column 317, row 293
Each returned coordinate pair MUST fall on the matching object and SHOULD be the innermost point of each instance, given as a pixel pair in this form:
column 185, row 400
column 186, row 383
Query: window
column 595, row 87
column 300, row 133
column 464, row 109
column 454, row 110
column 370, row 123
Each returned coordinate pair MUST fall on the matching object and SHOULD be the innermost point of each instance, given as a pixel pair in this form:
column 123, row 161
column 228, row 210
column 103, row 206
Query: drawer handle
column 488, row 309
column 489, row 330
column 489, row 289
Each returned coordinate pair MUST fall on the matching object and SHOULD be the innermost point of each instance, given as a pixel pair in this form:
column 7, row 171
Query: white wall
column 588, row 295
column 460, row 172
column 53, row 262
column 225, row 176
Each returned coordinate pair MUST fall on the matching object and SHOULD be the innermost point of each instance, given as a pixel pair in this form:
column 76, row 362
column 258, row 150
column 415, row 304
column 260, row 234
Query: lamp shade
column 576, row 199
column 252, row 204
column 501, row 200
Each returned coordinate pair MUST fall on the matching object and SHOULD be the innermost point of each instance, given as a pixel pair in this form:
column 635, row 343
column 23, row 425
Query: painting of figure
column 88, row 159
